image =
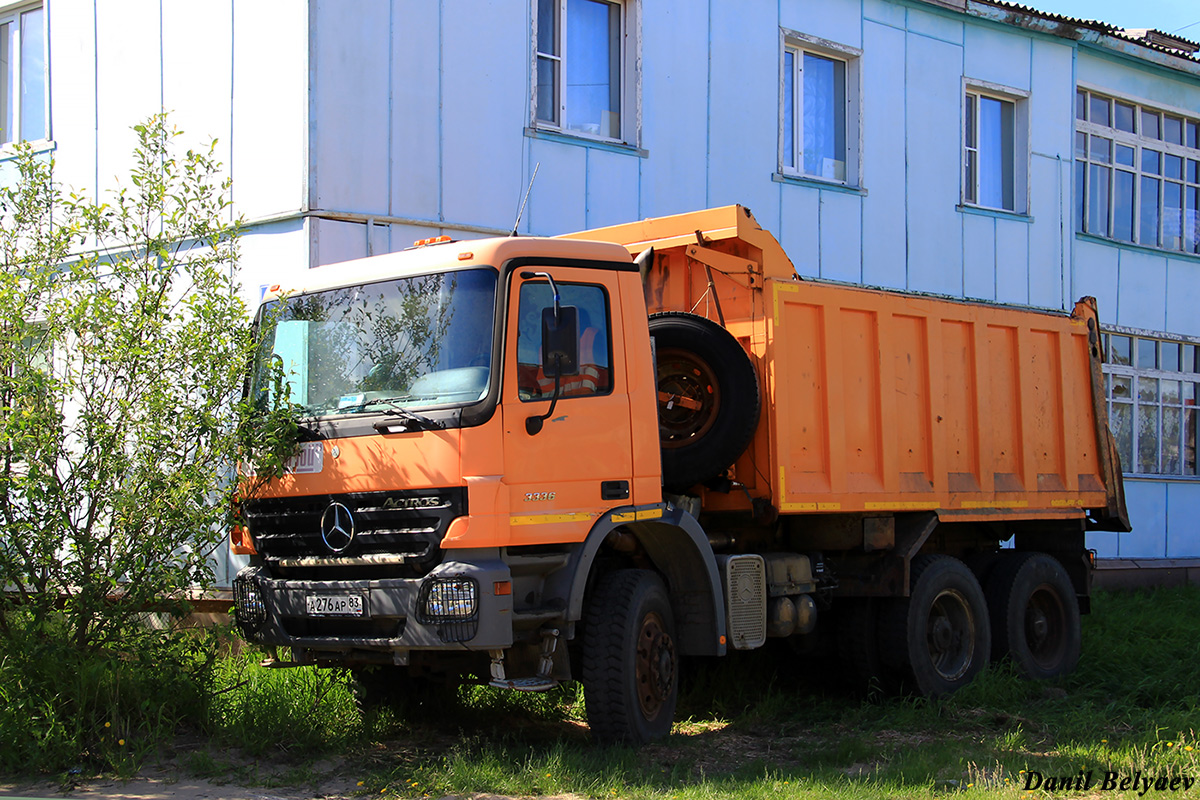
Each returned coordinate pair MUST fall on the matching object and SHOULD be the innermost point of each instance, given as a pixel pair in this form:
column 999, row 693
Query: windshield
column 406, row 343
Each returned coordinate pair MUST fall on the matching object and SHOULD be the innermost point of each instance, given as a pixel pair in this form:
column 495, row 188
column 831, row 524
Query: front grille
column 403, row 529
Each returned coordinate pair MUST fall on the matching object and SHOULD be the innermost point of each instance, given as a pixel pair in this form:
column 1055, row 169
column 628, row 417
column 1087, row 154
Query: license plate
column 309, row 461
column 334, row 605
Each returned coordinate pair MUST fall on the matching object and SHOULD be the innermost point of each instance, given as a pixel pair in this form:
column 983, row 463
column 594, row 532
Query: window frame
column 1086, row 157
column 799, row 44
column 629, row 52
column 969, row 195
column 610, row 387
column 1138, row 398
column 12, row 91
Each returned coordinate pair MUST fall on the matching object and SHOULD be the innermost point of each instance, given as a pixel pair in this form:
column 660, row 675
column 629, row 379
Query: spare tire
column 708, row 398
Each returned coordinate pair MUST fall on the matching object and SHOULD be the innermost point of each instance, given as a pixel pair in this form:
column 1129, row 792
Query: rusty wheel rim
column 951, row 635
column 1045, row 626
column 689, row 397
column 655, row 666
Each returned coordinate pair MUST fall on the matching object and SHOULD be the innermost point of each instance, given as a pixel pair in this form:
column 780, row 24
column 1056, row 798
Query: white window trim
column 630, row 73
column 1136, row 141
column 852, row 57
column 1134, row 402
column 1022, row 153
column 12, row 15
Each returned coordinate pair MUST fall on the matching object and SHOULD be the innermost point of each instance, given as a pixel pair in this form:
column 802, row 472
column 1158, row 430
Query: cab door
column 580, row 463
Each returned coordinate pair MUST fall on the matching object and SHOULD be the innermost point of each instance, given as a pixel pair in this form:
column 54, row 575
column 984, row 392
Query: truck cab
column 453, row 469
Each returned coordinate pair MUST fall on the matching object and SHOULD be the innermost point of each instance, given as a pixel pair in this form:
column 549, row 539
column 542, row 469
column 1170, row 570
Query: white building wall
column 885, row 248
column 485, row 108
column 674, row 174
column 349, row 134
column 1147, row 290
column 268, row 132
column 243, row 83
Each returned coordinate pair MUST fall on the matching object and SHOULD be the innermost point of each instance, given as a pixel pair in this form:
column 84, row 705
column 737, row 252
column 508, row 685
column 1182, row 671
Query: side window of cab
column 595, row 367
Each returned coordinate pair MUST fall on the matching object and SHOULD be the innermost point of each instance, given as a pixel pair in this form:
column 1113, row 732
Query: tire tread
column 710, row 456
column 607, row 673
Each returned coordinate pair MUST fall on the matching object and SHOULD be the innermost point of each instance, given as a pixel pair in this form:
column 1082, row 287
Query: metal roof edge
column 1147, row 45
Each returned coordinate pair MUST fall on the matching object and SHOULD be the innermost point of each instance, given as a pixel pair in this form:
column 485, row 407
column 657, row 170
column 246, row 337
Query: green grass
column 764, row 724
column 754, row 725
column 261, row 710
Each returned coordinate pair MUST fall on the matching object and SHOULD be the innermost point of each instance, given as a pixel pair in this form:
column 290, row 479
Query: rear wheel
column 1035, row 615
column 708, row 398
column 630, row 665
column 939, row 638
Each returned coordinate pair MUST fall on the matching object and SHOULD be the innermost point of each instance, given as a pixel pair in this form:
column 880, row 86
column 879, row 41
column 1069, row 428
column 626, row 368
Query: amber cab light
column 432, row 240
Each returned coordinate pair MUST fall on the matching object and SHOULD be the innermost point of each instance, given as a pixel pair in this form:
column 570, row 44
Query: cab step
column 534, row 684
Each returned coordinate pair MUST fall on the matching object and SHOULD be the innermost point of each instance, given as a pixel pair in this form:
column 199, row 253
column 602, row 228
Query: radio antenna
column 521, row 210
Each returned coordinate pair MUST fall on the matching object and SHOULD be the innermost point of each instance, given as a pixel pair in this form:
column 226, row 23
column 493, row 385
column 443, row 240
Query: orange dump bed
column 882, row 401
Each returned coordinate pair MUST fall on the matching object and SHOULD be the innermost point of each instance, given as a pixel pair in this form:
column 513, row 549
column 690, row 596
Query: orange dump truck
column 532, row 460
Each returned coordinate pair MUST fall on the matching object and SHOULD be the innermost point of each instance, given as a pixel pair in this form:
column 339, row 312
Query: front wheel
column 630, row 666
column 939, row 637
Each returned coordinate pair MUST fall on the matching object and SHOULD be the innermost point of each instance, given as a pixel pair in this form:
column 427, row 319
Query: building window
column 582, row 59
column 1153, row 386
column 1137, row 173
column 22, row 75
column 819, row 111
column 990, row 154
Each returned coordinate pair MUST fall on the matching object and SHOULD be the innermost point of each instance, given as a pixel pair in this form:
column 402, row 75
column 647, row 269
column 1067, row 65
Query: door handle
column 614, row 490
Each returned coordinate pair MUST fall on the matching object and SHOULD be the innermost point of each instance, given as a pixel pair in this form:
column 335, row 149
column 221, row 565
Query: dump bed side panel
column 886, row 402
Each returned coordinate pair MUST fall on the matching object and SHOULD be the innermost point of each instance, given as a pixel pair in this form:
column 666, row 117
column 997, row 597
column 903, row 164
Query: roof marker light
column 432, row 240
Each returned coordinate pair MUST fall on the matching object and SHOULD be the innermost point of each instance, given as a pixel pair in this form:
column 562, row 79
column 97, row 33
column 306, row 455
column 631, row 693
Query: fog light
column 449, row 599
column 453, row 605
column 249, row 606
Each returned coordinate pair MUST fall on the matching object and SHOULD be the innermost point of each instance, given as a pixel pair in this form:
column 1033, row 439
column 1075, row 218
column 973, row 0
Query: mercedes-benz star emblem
column 337, row 527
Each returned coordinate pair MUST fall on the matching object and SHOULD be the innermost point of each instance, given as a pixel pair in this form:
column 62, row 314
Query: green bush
column 62, row 708
column 124, row 341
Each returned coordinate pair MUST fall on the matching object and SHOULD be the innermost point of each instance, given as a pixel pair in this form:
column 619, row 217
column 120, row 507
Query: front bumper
column 434, row 612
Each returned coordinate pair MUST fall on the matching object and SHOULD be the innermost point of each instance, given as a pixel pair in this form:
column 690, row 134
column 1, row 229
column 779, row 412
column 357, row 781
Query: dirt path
column 169, row 783
column 152, row 788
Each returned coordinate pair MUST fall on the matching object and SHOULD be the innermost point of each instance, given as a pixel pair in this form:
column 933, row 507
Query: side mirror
column 560, row 341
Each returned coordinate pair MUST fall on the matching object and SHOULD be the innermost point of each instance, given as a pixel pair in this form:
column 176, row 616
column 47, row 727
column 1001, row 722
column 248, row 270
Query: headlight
column 449, row 599
column 249, row 606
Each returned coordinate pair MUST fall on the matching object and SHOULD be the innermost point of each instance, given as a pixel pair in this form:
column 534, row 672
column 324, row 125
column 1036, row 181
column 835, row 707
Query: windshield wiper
column 394, row 409
column 307, row 430
column 409, row 416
